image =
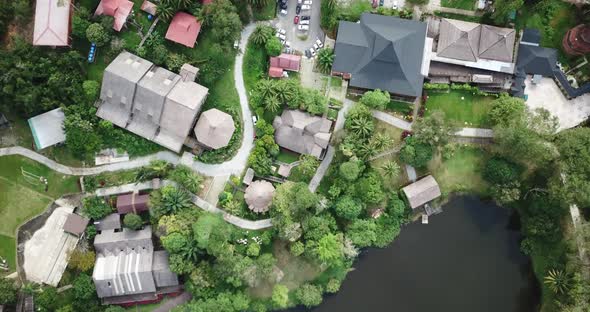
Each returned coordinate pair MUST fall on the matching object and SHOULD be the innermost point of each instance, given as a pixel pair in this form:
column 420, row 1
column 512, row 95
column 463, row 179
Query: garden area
column 459, row 4
column 462, row 108
column 458, row 169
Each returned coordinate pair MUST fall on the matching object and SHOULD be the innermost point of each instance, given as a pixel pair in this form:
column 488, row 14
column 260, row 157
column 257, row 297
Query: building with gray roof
column 151, row 101
column 110, row 222
column 127, row 268
column 381, row 52
column 302, row 133
column 422, row 191
column 214, row 129
column 48, row 128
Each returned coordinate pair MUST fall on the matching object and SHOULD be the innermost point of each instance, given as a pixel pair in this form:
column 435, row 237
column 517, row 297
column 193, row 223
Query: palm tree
column 381, row 141
column 265, row 88
column 361, row 126
column 174, row 200
column 261, row 34
column 166, row 10
column 557, row 281
column 325, row 60
column 272, row 103
column 284, row 91
column 391, row 169
column 190, row 251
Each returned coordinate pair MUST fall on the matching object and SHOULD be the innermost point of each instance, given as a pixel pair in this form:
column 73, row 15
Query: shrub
column 273, row 46
column 348, row 207
column 132, row 221
column 501, row 171
column 96, row 208
column 350, row 170
column 333, row 286
column 297, row 249
column 97, row 34
column 309, row 295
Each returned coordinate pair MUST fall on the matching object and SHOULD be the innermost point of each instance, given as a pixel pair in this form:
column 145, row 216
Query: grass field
column 462, row 108
column 8, row 251
column 287, row 156
column 23, row 198
column 265, row 13
column 462, row 172
column 459, row 4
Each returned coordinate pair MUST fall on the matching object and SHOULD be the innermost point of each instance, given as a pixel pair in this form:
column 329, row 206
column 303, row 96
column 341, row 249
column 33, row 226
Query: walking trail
column 404, row 125
column 198, row 201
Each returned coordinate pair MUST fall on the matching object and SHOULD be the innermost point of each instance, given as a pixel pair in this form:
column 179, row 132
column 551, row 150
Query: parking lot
column 293, row 35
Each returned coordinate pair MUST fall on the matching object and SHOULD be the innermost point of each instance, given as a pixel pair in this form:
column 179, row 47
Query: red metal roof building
column 118, row 9
column 577, row 40
column 184, row 29
column 132, row 203
column 282, row 62
column 52, row 23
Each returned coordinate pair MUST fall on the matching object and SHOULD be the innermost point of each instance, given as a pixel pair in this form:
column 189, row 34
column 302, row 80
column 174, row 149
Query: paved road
column 198, row 201
column 315, row 31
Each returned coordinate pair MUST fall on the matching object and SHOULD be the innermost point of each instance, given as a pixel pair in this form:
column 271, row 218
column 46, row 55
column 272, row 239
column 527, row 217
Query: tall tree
column 325, row 60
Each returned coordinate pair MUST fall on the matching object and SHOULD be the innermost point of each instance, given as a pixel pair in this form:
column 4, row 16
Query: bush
column 350, row 170
column 501, row 171
column 132, row 221
column 97, row 34
column 416, row 154
column 309, row 295
column 297, row 249
column 348, row 207
column 96, row 208
column 273, row 46
column 333, row 286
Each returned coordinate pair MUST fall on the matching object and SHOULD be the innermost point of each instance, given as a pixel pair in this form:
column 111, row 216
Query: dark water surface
column 466, row 260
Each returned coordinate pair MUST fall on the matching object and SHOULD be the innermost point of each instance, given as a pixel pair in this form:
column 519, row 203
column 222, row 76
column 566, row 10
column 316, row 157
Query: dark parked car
column 308, row 53
column 380, row 2
column 305, row 18
column 283, row 5
column 298, row 9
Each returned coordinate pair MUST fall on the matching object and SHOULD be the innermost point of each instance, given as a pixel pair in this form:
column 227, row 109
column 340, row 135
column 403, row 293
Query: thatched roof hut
column 214, row 128
column 422, row 191
column 259, row 196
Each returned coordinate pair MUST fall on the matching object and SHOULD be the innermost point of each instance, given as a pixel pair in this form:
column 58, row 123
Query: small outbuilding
column 184, row 29
column 47, row 128
column 132, row 203
column 118, row 9
column 75, row 224
column 259, row 196
column 290, row 62
column 422, row 191
column 214, row 129
column 52, row 23
column 149, row 7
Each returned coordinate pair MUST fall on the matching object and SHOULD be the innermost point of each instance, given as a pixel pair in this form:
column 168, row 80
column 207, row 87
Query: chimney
column 188, row 72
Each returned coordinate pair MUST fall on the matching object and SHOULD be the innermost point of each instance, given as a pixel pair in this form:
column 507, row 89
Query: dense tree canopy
column 376, row 99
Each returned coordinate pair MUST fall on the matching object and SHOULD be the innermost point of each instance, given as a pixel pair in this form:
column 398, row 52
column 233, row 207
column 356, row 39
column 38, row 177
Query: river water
column 466, row 260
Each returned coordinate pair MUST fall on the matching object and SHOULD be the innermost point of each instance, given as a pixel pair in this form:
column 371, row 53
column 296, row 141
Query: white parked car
column 299, row 1
column 395, row 6
column 283, row 12
column 281, row 31
column 306, row 7
column 282, row 37
column 316, row 47
column 313, row 53
column 303, row 27
column 303, row 22
column 287, row 44
column 308, row 2
column 319, row 43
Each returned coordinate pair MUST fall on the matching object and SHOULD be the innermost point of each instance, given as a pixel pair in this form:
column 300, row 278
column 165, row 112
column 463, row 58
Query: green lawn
column 461, row 107
column 17, row 205
column 459, row 4
column 402, row 108
column 59, row 184
column 8, row 252
column 255, row 65
column 287, row 156
column 466, row 18
column 265, row 13
column 462, row 172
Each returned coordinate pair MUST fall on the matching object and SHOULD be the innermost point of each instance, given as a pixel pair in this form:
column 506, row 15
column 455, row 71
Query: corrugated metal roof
column 422, row 191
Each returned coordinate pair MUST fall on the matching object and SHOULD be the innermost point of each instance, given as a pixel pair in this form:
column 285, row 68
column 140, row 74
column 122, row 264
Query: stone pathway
column 404, row 125
column 198, row 201
column 322, row 169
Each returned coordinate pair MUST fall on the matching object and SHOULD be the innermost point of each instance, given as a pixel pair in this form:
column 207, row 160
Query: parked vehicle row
column 282, row 35
column 311, row 52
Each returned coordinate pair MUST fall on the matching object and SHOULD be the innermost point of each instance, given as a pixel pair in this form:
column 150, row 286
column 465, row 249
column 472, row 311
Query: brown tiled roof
column 75, row 224
column 132, row 203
